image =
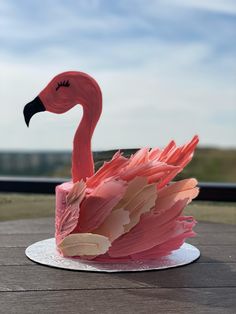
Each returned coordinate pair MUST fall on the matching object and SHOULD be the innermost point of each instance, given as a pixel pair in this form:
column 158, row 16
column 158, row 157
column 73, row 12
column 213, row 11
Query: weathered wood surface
column 206, row 286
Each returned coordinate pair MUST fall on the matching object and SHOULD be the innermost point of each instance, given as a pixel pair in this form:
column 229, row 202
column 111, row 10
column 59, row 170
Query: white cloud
column 221, row 6
column 154, row 88
column 145, row 105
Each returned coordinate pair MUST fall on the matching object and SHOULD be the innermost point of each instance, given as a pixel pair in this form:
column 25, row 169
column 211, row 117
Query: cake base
column 45, row 253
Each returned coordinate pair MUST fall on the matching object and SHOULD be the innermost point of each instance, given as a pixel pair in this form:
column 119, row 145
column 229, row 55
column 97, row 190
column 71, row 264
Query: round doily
column 44, row 252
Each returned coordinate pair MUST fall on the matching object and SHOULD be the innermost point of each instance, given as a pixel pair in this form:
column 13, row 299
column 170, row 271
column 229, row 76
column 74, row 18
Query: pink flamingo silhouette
column 128, row 209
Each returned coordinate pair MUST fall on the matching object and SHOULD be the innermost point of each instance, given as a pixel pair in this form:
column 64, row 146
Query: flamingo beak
column 31, row 108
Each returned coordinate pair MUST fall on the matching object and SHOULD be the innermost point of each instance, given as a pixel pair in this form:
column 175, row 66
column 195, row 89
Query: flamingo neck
column 82, row 157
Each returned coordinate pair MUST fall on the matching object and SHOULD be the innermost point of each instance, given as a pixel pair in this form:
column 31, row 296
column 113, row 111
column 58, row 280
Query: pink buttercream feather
column 99, row 203
column 113, row 226
column 109, row 169
column 68, row 218
column 143, row 201
column 168, row 196
column 149, row 232
column 165, row 248
column 134, row 186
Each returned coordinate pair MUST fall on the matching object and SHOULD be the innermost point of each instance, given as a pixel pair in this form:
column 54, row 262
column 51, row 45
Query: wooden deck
column 206, row 286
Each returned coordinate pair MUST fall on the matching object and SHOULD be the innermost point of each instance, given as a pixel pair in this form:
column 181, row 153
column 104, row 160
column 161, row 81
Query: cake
column 129, row 209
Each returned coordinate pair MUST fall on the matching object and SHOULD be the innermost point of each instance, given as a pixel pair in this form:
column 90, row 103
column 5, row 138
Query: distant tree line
column 208, row 164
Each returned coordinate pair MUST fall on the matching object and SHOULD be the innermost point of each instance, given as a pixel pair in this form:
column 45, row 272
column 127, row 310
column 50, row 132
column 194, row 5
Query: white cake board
column 45, row 253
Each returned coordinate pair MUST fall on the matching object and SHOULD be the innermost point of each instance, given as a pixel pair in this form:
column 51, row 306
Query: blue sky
column 167, row 70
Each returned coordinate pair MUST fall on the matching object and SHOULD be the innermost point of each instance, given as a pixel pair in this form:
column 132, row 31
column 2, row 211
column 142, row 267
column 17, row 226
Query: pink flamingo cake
column 128, row 209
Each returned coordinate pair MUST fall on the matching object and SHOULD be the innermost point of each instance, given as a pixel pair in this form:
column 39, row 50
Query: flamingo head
column 63, row 92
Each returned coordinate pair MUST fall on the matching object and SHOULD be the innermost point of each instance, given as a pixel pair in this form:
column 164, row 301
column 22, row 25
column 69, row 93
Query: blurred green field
column 212, row 165
column 24, row 206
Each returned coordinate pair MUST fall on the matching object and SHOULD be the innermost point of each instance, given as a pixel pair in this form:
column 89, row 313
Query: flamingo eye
column 64, row 83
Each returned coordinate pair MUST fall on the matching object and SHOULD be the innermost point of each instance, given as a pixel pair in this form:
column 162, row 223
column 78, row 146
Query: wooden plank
column 142, row 301
column 211, row 227
column 217, row 254
column 21, row 240
column 209, row 254
column 218, row 239
column 20, row 278
column 216, row 277
column 14, row 256
column 41, row 225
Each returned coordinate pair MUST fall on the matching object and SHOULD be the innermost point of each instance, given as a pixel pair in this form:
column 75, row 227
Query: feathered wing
column 169, row 195
column 184, row 190
column 127, row 209
column 151, row 230
column 158, row 166
column 109, row 169
column 134, row 186
column 138, row 199
column 68, row 208
column 97, row 206
column 76, row 193
column 113, row 225
column 177, row 156
column 84, row 244
column 163, row 228
column 183, row 231
column 140, row 203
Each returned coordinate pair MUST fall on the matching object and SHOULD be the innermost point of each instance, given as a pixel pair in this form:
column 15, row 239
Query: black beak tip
column 32, row 108
column 26, row 116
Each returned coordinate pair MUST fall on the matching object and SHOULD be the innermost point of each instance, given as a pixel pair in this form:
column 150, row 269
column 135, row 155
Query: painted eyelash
column 64, row 83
